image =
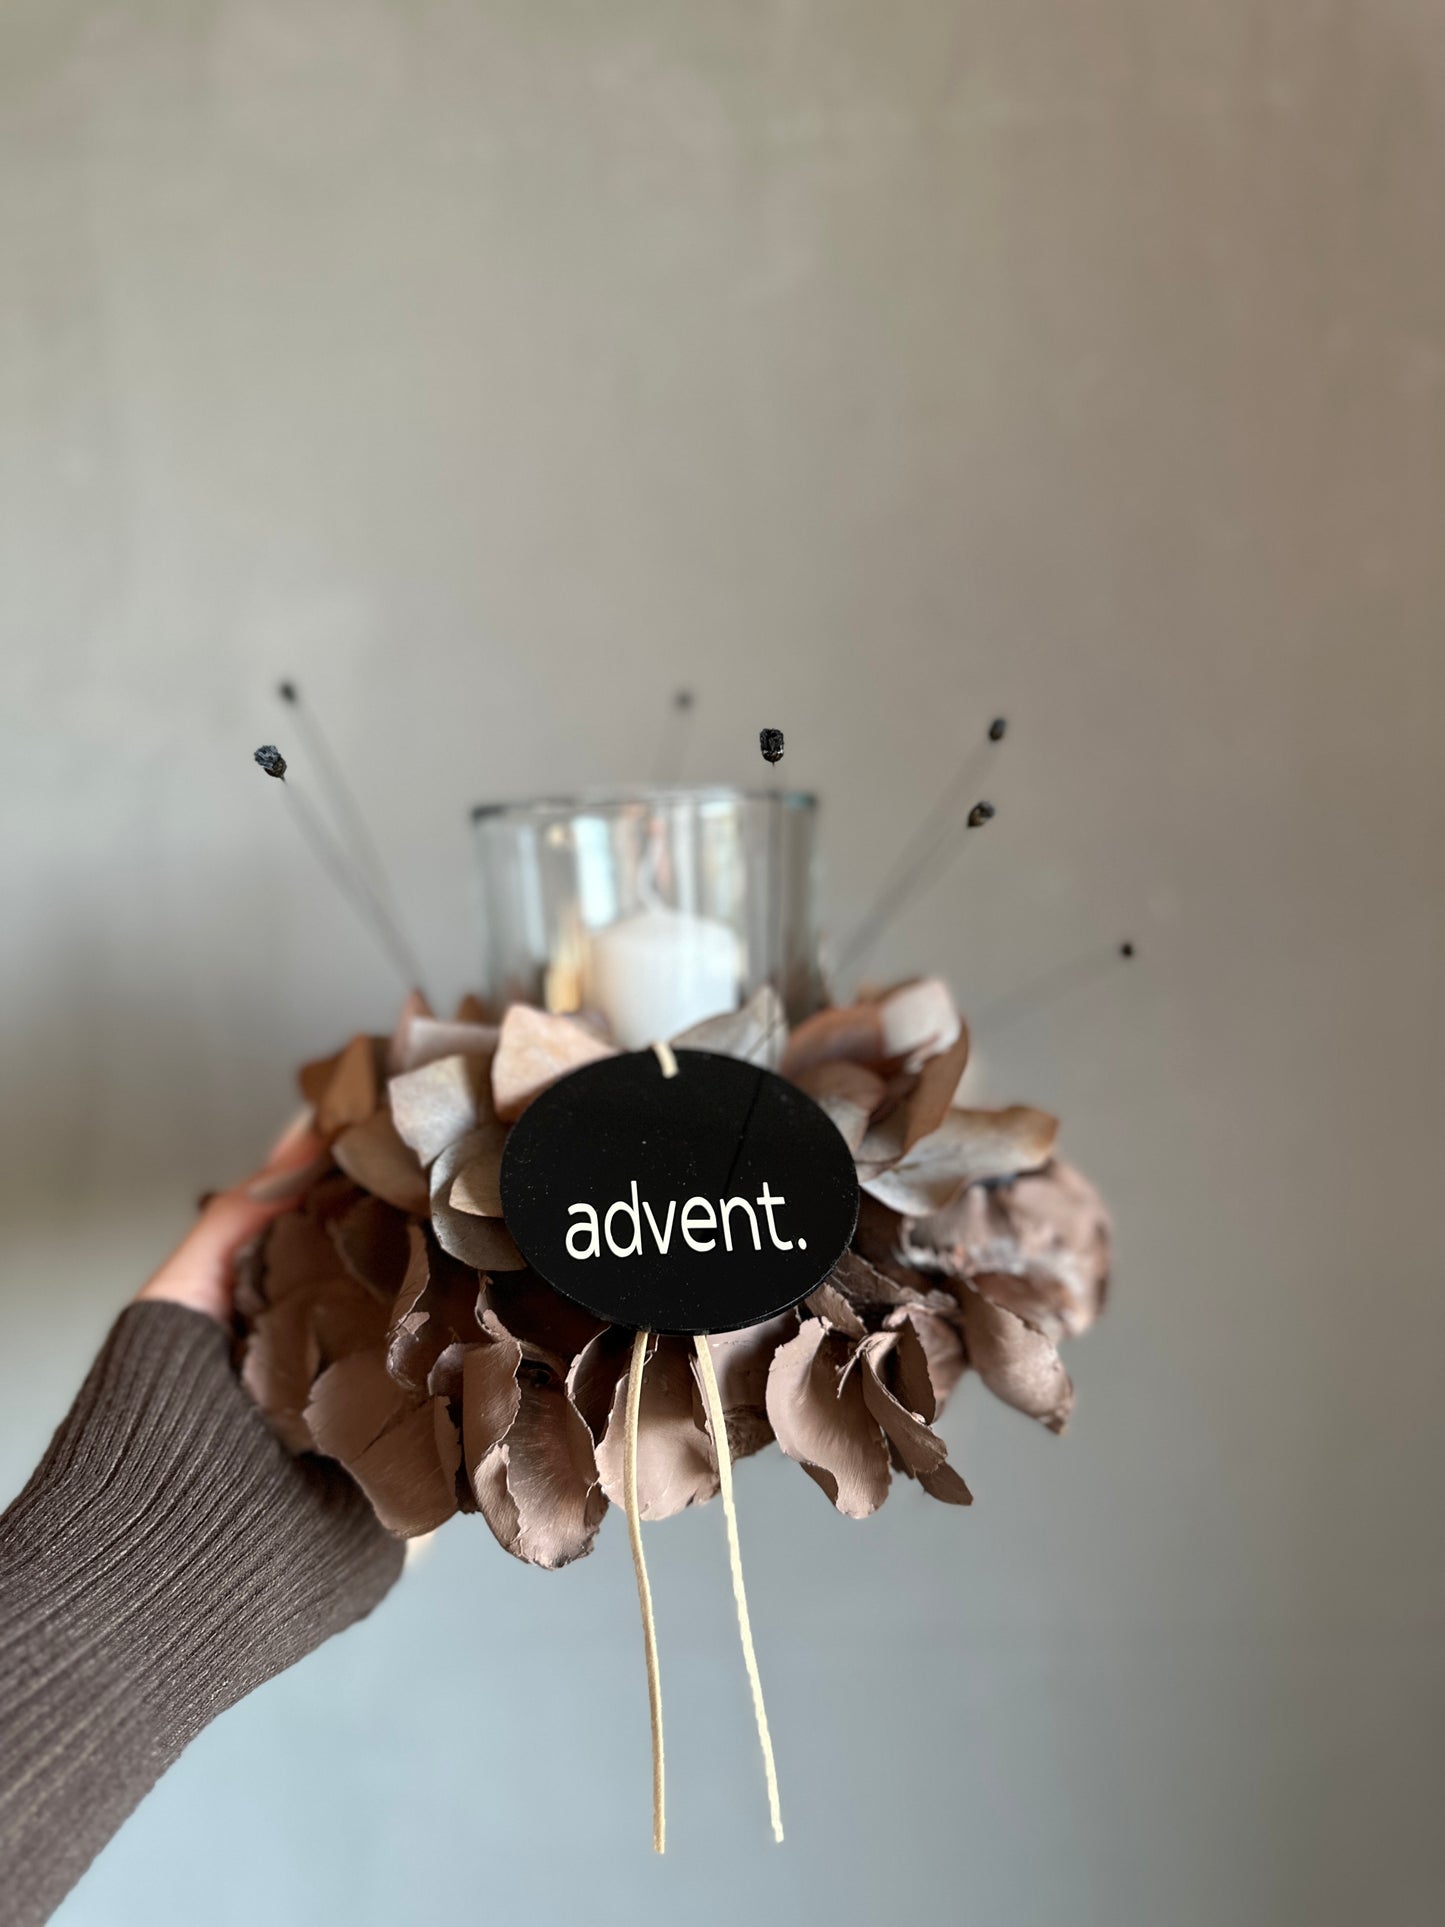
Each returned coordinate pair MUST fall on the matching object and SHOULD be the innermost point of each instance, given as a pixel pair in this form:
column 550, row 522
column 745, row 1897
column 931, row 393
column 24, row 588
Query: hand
column 200, row 1272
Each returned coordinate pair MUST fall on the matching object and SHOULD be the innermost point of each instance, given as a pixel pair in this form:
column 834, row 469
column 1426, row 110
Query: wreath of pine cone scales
column 388, row 1320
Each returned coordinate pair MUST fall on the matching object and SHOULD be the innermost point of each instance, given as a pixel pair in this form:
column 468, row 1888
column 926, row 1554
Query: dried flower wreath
column 390, row 1321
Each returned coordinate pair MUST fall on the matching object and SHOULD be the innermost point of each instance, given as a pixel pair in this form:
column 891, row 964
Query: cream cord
column 644, row 1590
column 718, row 1426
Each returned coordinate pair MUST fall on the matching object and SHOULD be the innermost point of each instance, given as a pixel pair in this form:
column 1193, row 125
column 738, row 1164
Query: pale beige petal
column 849, row 1093
column 373, row 1155
column 440, row 1102
column 476, row 1160
column 416, row 1007
column 967, row 1146
column 846, row 1031
column 533, row 1051
column 484, row 1243
column 756, row 1033
column 430, row 1038
column 917, row 1020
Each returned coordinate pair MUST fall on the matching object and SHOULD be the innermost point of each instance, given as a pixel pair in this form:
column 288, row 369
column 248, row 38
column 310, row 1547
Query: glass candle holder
column 656, row 907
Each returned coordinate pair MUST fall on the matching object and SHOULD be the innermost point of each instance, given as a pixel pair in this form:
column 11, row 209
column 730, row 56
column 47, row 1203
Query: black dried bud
column 288, row 692
column 271, row 760
column 770, row 742
column 980, row 814
column 1126, row 949
column 998, row 729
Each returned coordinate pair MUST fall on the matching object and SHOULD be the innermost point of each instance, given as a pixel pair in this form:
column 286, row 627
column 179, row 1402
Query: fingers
column 200, row 1272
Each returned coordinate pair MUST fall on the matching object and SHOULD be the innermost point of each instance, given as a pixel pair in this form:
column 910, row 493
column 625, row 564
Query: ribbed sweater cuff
column 167, row 1556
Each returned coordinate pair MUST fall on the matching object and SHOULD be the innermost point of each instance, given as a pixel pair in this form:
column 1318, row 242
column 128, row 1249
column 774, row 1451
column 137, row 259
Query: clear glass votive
column 655, row 907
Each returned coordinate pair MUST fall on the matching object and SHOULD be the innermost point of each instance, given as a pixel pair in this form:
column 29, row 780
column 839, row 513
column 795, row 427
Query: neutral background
column 493, row 369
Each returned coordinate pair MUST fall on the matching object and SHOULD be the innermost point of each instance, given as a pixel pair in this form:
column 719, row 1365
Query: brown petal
column 920, row 1108
column 593, row 1375
column 676, row 1465
column 870, row 1289
column 433, row 1106
column 967, row 1146
column 529, row 1458
column 921, row 1452
column 821, row 1418
column 848, row 1031
column 1017, row 1363
column 930, row 1355
column 546, row 1323
column 552, row 1477
column 281, row 1358
column 477, row 1187
column 755, row 1033
column 533, row 1051
column 373, row 1156
column 831, row 1305
column 296, row 1253
column 346, row 1317
column 288, row 1187
column 438, row 1305
column 917, row 1020
column 409, row 1473
column 1038, row 1246
column 484, row 1243
column 490, row 1396
column 402, row 1452
column 353, row 1090
column 740, row 1361
column 370, row 1238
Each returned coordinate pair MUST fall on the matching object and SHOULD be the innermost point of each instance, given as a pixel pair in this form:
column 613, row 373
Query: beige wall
column 494, row 368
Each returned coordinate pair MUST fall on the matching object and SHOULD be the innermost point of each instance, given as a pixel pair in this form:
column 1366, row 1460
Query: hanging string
column 717, row 1424
column 644, row 1590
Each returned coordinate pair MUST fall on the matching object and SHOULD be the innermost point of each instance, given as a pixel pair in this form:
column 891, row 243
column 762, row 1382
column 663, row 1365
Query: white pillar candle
column 654, row 974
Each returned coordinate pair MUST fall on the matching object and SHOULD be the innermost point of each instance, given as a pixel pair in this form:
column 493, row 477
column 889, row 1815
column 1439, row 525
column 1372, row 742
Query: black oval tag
column 695, row 1203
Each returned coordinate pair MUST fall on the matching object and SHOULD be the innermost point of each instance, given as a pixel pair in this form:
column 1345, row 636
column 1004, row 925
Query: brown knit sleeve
column 167, row 1556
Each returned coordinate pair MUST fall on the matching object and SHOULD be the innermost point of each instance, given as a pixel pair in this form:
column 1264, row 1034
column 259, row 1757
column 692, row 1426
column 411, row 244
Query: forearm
column 167, row 1557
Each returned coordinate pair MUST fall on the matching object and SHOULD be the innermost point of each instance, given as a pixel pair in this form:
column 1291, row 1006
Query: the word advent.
column 696, row 1216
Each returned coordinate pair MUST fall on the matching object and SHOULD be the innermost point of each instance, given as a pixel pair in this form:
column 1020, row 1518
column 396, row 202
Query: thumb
column 200, row 1272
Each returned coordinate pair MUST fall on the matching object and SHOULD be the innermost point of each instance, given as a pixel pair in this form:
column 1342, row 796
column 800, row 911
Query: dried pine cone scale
column 388, row 1320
